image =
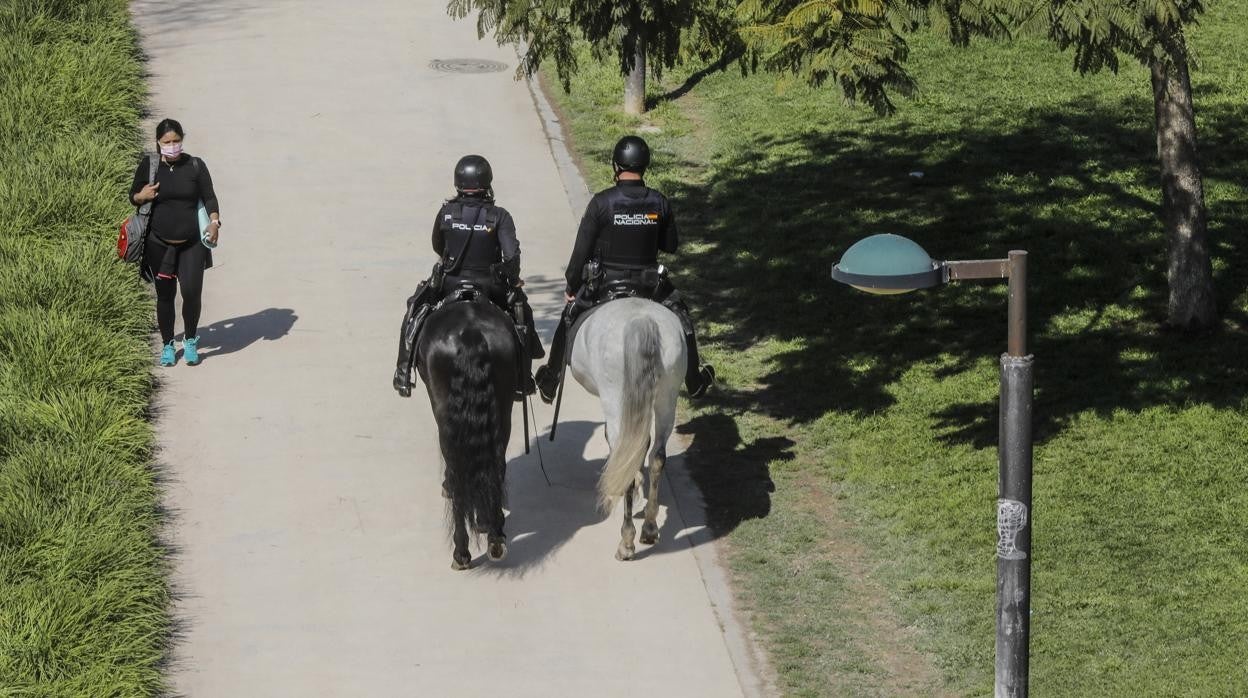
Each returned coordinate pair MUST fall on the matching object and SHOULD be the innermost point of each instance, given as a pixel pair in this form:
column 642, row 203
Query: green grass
column 871, row 564
column 82, row 588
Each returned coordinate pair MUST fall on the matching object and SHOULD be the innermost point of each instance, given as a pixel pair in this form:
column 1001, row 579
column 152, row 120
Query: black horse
column 467, row 359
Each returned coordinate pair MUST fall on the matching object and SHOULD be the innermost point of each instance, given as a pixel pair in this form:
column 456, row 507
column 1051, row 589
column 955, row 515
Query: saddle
column 464, row 292
column 472, row 292
column 624, row 288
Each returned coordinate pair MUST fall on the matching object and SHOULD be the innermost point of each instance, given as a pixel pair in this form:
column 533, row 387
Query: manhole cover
column 467, row 65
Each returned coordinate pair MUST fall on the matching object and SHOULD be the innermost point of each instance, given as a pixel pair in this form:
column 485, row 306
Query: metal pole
column 1014, row 496
column 1017, row 266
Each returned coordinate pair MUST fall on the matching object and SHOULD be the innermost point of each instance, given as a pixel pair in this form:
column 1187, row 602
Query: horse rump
column 472, row 437
column 643, row 367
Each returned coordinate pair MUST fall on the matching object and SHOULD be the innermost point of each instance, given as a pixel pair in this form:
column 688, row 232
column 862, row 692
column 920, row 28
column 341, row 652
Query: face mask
column 172, row 150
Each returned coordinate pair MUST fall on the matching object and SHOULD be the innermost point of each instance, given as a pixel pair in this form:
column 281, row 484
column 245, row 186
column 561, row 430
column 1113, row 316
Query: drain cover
column 467, row 65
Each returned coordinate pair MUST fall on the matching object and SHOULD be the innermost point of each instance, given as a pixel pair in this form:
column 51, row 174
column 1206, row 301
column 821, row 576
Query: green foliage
column 876, row 417
column 671, row 30
column 1099, row 30
column 858, row 44
column 82, row 591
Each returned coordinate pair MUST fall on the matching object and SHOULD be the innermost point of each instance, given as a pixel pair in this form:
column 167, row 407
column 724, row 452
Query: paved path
column 314, row 559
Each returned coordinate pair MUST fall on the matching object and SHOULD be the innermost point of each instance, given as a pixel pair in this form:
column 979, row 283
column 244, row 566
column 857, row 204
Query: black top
column 624, row 226
column 467, row 216
column 183, row 184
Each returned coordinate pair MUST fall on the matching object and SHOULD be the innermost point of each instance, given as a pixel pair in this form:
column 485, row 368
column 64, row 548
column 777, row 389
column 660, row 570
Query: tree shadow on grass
column 1073, row 185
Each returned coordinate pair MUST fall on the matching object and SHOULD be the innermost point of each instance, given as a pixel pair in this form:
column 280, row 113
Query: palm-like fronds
column 1101, row 31
column 857, row 44
column 670, row 30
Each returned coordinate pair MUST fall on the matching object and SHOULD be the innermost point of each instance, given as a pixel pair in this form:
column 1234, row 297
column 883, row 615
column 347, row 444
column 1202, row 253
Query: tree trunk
column 1191, row 305
column 635, row 81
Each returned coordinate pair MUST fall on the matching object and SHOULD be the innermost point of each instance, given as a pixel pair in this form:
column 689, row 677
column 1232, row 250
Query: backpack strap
column 458, row 259
column 492, row 218
column 153, row 162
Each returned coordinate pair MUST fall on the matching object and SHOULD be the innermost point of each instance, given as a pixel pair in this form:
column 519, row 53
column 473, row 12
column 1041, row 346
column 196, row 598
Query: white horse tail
column 643, row 366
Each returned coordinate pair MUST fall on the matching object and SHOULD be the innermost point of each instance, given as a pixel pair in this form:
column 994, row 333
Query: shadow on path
column 228, row 336
column 542, row 518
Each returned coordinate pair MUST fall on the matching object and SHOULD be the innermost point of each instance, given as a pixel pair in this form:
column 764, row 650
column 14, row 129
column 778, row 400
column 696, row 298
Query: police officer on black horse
column 617, row 247
column 476, row 241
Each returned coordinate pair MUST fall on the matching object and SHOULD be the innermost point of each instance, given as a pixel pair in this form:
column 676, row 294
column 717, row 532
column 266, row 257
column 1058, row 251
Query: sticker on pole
column 1011, row 520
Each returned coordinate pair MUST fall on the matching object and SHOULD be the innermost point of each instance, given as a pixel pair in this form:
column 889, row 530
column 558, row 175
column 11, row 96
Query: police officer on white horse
column 477, row 245
column 617, row 247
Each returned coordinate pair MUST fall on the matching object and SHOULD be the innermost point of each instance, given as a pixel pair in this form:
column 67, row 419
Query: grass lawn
column 869, row 570
column 82, row 589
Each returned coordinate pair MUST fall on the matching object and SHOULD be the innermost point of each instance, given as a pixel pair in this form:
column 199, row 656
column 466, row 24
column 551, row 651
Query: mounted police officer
column 617, row 244
column 476, row 241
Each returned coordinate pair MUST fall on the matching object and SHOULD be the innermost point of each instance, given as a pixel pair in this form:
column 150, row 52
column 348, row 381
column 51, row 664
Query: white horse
column 631, row 354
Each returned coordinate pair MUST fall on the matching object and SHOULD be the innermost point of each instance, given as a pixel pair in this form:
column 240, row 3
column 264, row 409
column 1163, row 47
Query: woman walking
column 174, row 254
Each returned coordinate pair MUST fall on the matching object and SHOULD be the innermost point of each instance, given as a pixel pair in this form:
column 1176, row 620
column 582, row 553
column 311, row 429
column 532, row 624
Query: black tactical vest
column 631, row 238
column 470, row 240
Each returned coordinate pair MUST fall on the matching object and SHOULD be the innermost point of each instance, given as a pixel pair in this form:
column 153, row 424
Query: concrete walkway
column 313, row 558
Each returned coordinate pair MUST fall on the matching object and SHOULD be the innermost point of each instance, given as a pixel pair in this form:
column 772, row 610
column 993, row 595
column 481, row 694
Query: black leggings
column 191, row 257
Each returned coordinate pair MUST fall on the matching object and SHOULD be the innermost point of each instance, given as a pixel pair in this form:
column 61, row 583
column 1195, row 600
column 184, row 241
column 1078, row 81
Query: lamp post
column 891, row 264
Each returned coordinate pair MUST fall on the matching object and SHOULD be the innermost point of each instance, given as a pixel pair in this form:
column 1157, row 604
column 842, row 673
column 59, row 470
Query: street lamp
column 891, row 264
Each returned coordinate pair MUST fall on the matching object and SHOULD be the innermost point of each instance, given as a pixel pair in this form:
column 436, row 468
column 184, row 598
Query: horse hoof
column 459, row 566
column 649, row 538
column 624, row 554
column 498, row 551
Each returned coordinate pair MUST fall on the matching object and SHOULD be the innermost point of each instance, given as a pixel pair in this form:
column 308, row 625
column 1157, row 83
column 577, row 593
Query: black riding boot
column 698, row 378
column 531, row 344
column 547, row 376
column 417, row 308
column 522, row 315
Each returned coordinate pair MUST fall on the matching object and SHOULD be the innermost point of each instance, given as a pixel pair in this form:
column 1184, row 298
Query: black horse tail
column 643, row 366
column 470, row 434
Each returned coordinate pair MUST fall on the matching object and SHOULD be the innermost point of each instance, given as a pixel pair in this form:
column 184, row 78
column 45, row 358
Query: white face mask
column 171, row 150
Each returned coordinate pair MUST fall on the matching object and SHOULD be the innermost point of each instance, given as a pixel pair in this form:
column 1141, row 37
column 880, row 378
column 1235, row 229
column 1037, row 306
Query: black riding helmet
column 473, row 172
column 631, row 154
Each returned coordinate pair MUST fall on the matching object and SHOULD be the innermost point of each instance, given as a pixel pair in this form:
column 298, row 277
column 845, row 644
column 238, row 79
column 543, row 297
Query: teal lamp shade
column 887, row 264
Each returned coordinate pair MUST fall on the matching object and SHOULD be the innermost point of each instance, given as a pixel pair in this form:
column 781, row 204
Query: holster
column 592, row 275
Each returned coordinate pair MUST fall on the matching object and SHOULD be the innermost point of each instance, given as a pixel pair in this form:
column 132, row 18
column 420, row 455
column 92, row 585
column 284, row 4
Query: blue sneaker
column 190, row 350
column 168, row 355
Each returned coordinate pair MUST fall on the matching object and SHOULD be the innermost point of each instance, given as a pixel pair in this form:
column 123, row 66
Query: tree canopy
column 669, row 31
column 860, row 45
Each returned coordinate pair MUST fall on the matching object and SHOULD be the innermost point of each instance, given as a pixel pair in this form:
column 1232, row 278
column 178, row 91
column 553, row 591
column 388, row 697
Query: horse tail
column 643, row 365
column 469, row 432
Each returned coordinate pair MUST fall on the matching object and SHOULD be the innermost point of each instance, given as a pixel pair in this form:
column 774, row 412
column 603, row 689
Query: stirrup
column 527, row 387
column 707, row 374
column 547, row 383
column 402, row 382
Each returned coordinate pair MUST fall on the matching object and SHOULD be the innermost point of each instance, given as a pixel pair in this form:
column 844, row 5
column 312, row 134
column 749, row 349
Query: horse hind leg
column 497, row 548
column 664, row 423
column 650, row 528
column 461, row 558
column 628, row 532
